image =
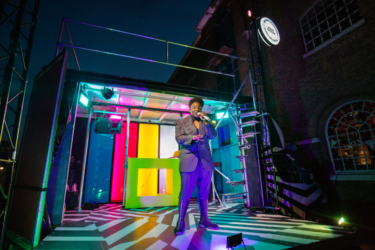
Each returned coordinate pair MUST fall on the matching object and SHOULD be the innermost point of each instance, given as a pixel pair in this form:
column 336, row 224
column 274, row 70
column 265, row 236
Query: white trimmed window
column 350, row 135
column 326, row 20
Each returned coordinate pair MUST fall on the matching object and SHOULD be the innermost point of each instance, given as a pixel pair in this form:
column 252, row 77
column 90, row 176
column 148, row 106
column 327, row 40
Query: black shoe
column 205, row 221
column 182, row 208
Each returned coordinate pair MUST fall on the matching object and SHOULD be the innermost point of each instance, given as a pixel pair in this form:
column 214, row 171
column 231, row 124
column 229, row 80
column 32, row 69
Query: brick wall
column 304, row 88
column 302, row 93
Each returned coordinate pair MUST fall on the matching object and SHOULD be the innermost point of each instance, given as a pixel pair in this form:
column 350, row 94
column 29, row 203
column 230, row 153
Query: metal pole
column 107, row 112
column 73, row 121
column 143, row 59
column 61, row 31
column 234, row 76
column 126, row 157
column 84, row 161
column 231, row 103
column 156, row 39
column 167, row 50
column 71, row 42
column 252, row 90
column 10, row 66
column 213, row 185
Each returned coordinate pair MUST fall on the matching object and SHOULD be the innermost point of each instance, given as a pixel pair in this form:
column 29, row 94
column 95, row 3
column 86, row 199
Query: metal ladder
column 264, row 153
column 242, row 146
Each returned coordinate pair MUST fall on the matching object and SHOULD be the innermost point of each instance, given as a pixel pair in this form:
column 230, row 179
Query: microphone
column 204, row 116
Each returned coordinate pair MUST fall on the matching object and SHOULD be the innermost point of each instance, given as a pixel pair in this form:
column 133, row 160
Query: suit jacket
column 191, row 151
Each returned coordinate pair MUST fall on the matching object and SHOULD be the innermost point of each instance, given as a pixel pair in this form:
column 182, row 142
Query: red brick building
column 319, row 81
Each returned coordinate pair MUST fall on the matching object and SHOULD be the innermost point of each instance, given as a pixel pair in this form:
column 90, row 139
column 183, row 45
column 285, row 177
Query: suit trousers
column 201, row 178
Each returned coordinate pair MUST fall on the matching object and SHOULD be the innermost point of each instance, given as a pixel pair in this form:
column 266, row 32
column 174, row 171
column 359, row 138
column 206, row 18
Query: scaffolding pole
column 16, row 67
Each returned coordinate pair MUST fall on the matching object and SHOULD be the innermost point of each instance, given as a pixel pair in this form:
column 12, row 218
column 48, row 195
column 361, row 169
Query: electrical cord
column 243, row 243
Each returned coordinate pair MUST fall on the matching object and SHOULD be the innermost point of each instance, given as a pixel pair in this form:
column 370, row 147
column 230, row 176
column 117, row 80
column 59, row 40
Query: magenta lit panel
column 119, row 159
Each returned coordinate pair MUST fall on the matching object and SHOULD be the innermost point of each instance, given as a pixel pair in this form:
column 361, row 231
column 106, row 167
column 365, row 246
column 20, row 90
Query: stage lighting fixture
column 115, row 117
column 219, row 115
column 249, row 14
column 107, row 93
column 84, row 100
column 105, row 125
column 235, row 240
column 341, row 221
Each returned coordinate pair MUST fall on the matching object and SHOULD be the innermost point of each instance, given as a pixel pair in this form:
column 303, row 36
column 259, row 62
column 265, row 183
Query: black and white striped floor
column 110, row 227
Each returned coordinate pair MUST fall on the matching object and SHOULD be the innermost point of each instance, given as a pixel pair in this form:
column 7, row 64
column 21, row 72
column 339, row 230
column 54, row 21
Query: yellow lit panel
column 169, row 181
column 147, row 182
column 148, row 141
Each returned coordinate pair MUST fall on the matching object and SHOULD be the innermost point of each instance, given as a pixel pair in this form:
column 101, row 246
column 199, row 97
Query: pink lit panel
column 119, row 159
column 180, row 107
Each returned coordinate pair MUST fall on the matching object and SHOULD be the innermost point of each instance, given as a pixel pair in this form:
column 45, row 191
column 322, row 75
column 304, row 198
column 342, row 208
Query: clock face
column 269, row 32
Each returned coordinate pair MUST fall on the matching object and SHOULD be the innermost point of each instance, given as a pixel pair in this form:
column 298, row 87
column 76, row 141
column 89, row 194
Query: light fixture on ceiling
column 107, row 93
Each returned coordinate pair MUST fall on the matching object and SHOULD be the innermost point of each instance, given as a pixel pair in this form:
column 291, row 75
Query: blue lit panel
column 99, row 165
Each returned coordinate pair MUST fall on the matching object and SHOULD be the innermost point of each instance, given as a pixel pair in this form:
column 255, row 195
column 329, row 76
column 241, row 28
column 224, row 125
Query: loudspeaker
column 104, row 125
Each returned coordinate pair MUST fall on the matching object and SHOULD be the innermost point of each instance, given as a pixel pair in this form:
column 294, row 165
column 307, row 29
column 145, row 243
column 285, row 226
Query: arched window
column 350, row 133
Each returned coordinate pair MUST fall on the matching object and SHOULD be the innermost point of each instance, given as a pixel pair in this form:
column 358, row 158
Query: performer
column 196, row 163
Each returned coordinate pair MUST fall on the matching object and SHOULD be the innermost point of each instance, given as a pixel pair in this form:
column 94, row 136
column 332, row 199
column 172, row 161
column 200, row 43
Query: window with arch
column 350, row 135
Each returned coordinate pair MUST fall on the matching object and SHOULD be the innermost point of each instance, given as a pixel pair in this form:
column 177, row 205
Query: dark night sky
column 172, row 20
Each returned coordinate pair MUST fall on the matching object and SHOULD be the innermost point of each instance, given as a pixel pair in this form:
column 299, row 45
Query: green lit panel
column 144, row 180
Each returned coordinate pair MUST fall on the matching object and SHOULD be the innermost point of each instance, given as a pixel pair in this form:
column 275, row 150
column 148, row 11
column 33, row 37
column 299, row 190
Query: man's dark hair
column 196, row 99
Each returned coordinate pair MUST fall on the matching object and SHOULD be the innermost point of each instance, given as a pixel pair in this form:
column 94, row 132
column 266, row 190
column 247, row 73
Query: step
column 244, row 146
column 267, row 148
column 236, row 183
column 240, row 170
column 267, row 156
column 241, row 157
column 268, row 165
column 233, row 194
column 248, row 123
column 248, row 114
column 250, row 134
column 223, row 199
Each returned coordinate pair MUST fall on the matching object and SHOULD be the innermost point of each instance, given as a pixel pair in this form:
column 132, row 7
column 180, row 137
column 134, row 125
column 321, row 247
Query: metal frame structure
column 264, row 146
column 71, row 45
column 23, row 15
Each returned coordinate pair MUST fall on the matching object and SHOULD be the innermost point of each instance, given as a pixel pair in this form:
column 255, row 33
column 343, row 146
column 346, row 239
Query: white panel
column 168, row 144
column 162, row 181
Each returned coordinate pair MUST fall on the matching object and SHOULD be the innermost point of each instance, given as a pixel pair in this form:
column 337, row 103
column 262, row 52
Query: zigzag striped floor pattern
column 110, row 227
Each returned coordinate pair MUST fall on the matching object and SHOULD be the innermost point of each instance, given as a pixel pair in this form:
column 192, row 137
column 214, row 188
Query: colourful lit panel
column 173, row 183
column 98, row 170
column 169, row 181
column 168, row 144
column 148, row 141
column 147, row 182
column 119, row 159
column 165, row 181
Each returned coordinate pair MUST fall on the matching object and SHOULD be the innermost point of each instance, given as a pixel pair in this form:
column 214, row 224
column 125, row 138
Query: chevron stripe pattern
column 110, row 227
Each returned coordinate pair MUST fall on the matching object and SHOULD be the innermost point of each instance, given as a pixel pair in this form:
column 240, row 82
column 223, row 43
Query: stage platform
column 110, row 227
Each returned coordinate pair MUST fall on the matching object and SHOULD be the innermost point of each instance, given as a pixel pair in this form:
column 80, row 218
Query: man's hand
column 197, row 138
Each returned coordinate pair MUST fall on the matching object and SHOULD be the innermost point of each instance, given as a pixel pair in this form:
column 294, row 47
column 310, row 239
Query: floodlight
column 341, row 221
column 219, row 115
column 84, row 100
column 234, row 240
column 249, row 14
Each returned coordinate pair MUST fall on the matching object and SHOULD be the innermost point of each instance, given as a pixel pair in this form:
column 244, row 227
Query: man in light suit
column 196, row 163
